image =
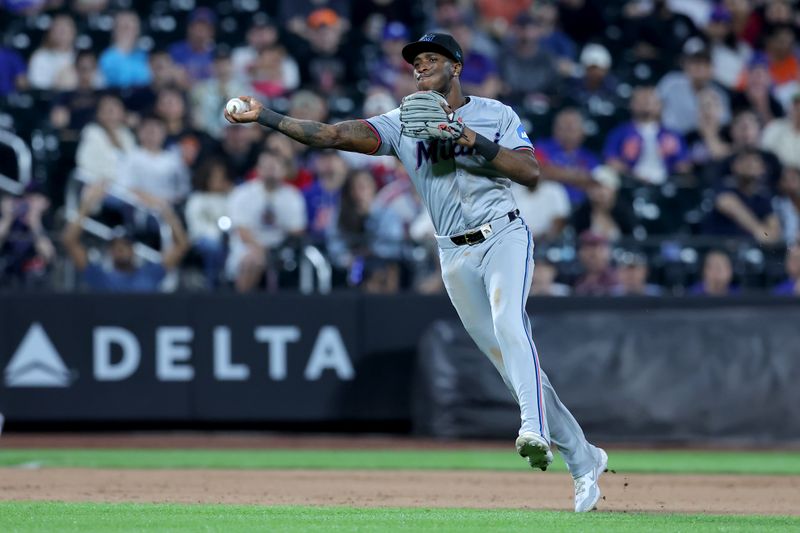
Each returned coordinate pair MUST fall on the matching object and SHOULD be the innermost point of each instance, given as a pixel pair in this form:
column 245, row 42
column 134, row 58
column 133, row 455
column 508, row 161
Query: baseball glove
column 423, row 115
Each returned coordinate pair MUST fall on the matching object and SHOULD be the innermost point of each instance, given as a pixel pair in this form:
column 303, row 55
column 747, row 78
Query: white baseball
column 236, row 105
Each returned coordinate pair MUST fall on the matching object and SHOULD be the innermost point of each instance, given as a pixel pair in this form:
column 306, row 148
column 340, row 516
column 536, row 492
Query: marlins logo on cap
column 441, row 43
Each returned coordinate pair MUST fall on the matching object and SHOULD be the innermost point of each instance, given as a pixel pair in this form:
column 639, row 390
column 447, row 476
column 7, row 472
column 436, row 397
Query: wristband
column 269, row 118
column 485, row 147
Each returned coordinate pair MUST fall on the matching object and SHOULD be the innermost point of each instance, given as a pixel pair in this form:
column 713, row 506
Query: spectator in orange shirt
column 784, row 66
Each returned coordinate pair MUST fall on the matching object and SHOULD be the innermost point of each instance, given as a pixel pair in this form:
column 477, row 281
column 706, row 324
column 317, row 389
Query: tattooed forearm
column 307, row 132
column 351, row 135
column 314, row 134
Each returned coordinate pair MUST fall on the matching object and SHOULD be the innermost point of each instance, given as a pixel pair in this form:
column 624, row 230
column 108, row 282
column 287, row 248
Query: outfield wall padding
column 665, row 375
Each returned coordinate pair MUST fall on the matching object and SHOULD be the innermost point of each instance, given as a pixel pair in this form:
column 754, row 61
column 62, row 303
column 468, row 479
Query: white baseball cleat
column 587, row 491
column 533, row 447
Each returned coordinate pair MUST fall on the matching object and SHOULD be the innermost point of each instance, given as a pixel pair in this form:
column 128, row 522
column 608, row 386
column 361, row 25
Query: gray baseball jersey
column 488, row 282
column 459, row 187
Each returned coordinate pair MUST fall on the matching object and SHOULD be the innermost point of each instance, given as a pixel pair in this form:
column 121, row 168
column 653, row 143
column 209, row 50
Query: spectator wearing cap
column 123, row 273
column 596, row 89
column 729, row 54
column 209, row 96
column 124, row 64
column 26, row 251
column 13, row 72
column 746, row 208
column 390, row 70
column 632, row 272
column 325, row 62
column 782, row 136
column 787, row 205
column 717, row 276
column 544, row 280
column 599, row 277
column 528, row 71
column 791, row 286
column 544, row 207
column 263, row 35
column 603, row 214
column 264, row 213
column 196, row 53
column 644, row 148
column 563, row 157
column 756, row 92
column 679, row 90
column 293, row 14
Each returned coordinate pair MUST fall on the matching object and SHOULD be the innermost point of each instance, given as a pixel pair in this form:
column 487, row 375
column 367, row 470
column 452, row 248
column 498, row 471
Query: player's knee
column 508, row 327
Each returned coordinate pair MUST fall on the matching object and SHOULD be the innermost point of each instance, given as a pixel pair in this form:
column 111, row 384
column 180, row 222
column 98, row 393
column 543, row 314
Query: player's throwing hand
column 251, row 115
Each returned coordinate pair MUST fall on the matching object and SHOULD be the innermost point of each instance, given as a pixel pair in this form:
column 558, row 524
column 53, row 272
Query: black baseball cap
column 441, row 43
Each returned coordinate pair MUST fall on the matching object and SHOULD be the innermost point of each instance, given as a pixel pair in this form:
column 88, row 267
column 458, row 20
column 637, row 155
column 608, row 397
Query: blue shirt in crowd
column 549, row 150
column 11, row 66
column 197, row 64
column 124, row 69
column 626, row 143
column 786, row 288
column 146, row 278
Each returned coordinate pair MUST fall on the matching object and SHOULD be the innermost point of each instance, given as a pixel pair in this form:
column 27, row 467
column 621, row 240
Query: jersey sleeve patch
column 522, row 134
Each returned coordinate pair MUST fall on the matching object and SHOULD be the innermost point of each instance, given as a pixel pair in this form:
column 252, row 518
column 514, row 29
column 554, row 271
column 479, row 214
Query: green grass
column 88, row 517
column 694, row 462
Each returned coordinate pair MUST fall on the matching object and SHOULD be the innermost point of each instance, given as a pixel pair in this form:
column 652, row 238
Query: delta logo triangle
column 36, row 363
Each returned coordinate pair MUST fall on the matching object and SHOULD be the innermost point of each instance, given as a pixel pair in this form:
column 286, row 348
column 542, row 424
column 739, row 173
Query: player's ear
column 457, row 69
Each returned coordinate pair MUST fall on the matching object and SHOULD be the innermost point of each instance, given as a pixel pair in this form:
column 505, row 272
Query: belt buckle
column 469, row 240
column 480, row 235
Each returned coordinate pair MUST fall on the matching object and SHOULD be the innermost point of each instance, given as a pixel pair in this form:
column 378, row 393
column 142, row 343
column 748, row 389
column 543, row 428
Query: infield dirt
column 523, row 490
column 739, row 494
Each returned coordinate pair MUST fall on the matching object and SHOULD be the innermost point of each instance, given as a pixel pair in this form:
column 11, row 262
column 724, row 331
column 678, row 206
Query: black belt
column 477, row 236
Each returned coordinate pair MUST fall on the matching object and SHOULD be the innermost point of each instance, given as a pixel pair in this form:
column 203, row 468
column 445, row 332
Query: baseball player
column 462, row 153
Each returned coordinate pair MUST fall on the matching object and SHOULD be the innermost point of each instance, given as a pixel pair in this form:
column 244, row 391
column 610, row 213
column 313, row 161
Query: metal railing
column 24, row 164
column 106, row 233
column 314, row 265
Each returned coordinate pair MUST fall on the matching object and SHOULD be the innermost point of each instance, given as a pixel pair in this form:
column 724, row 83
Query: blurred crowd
column 668, row 132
